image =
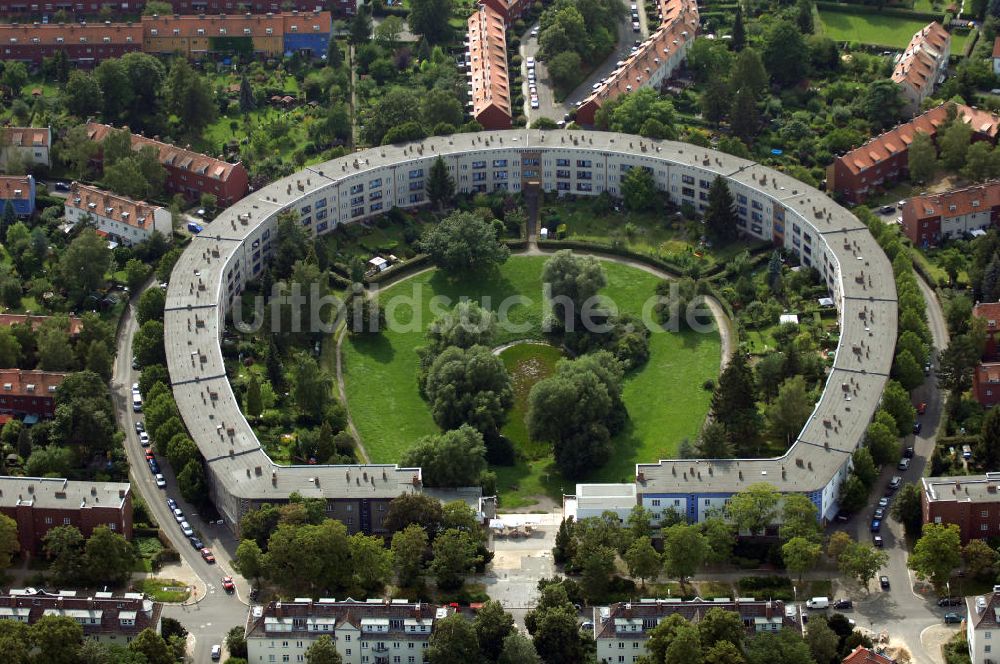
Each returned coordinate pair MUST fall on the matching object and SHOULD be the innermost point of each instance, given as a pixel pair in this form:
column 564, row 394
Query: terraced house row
column 196, row 37
column 655, row 61
column 235, row 247
column 91, row 7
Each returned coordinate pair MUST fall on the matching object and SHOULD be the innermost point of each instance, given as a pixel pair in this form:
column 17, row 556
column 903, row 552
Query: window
column 499, row 163
column 583, row 175
column 563, row 174
column 984, row 513
column 357, row 189
column 741, row 198
column 704, row 184
column 584, row 163
column 984, row 527
column 562, row 162
column 687, row 191
column 375, row 184
column 66, row 520
column 687, row 179
column 478, row 164
column 416, row 173
column 655, row 502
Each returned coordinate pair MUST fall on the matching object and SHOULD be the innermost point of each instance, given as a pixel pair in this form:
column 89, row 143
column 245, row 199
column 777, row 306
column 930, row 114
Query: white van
column 818, row 603
column 136, row 403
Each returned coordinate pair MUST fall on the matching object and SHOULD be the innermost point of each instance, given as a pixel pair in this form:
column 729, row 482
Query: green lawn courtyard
column 876, row 29
column 665, row 398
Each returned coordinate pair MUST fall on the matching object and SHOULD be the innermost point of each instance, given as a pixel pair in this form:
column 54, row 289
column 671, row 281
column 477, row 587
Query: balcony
column 379, row 648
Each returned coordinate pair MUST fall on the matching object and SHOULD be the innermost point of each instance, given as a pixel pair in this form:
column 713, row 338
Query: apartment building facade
column 105, row 617
column 19, row 192
column 375, row 631
column 622, row 629
column 39, row 504
column 986, row 378
column 36, row 8
column 84, row 45
column 268, row 35
column 124, row 221
column 656, row 59
column 189, row 173
column 971, row 502
column 883, row 161
column 922, row 65
column 486, row 68
column 981, row 625
column 29, row 146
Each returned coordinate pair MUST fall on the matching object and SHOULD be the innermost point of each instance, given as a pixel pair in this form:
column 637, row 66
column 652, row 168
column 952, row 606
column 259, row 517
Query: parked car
column 922, row 407
column 818, row 603
column 172, row 504
column 187, row 529
column 927, row 368
column 966, row 452
column 903, row 464
column 908, row 452
column 144, row 439
column 843, row 516
column 883, row 502
column 140, row 427
column 895, row 482
column 876, row 525
column 196, row 543
column 886, row 209
column 843, row 604
column 952, row 619
column 534, row 103
column 160, row 481
column 917, row 426
column 883, row 581
column 178, row 514
column 62, row 186
column 880, row 513
column 154, row 467
column 228, row 585
column 877, row 542
column 216, row 653
column 149, row 455
column 950, row 601
column 587, row 625
column 208, row 556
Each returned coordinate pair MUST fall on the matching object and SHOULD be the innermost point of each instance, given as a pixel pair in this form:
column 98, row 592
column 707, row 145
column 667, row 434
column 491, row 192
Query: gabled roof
column 170, row 155
column 105, row 204
column 957, row 202
column 989, row 311
column 25, row 383
column 302, row 615
column 488, row 76
column 109, row 611
column 15, row 187
column 24, row 137
column 53, row 34
column 692, row 610
column 862, row 655
column 984, row 611
column 678, row 25
column 237, row 25
column 927, row 53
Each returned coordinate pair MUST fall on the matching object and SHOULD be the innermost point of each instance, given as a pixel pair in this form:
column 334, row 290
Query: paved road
column 215, row 611
column 905, row 614
column 548, row 106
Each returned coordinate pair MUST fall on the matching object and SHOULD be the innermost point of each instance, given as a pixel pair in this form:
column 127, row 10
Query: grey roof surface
column 193, row 325
column 963, row 489
column 53, row 493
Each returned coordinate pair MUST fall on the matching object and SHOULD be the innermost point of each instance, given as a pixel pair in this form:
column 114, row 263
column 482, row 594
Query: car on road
column 903, row 464
column 139, row 426
column 135, row 388
column 534, row 32
column 135, row 363
column 635, row 26
column 880, row 513
column 950, row 601
column 922, row 407
column 587, row 626
column 843, row 516
column 927, row 368
column 917, row 426
column 196, row 543
column 62, row 186
column 172, row 504
column 900, row 204
column 187, row 529
column 876, row 525
column 883, row 502
column 149, row 455
column 208, row 556
column 908, row 452
column 887, row 209
column 160, row 481
column 154, row 467
column 534, row 103
column 144, row 439
column 883, row 581
column 531, row 62
column 895, row 482
column 216, row 653
column 877, row 542
column 178, row 513
column 227, row 584
column 843, row 604
column 952, row 619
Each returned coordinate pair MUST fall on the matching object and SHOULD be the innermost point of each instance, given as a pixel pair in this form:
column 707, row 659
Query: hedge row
column 871, row 9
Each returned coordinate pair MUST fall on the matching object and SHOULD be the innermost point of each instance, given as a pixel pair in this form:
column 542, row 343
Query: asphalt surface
column 215, row 611
column 901, row 611
column 548, row 107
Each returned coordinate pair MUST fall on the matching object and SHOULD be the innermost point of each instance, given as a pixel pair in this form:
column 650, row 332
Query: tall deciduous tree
column 464, row 242
column 754, row 508
column 408, row 549
column 452, row 459
column 789, row 411
column 454, row 557
column 800, row 555
column 786, row 54
column 430, row 19
column 862, row 562
column 937, row 553
column 643, row 561
column 188, row 95
column 469, row 386
column 492, row 625
column 684, row 550
column 323, row 651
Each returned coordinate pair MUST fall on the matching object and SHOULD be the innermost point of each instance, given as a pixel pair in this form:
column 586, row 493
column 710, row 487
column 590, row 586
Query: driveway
column 210, row 612
column 548, row 106
column 910, row 615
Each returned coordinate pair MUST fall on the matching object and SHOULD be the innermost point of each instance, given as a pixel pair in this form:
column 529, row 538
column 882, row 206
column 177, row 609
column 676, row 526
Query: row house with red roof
column 189, row 173
column 84, row 45
column 103, row 616
column 486, row 62
column 120, row 218
column 34, row 7
column 922, row 65
column 930, row 218
column 883, row 160
column 656, row 59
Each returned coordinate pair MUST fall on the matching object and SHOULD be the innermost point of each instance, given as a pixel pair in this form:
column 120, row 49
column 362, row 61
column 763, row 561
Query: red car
column 149, row 455
column 227, row 584
column 209, row 558
column 922, row 408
